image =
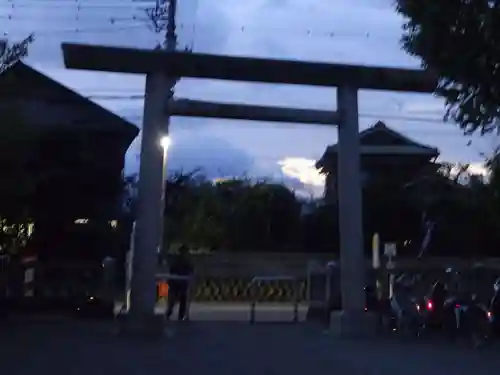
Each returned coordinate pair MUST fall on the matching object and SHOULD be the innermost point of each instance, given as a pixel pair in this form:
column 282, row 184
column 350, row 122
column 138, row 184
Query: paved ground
column 221, row 311
column 222, row 347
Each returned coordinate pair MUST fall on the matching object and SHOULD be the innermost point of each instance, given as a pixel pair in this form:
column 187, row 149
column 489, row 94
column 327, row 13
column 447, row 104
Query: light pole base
column 353, row 324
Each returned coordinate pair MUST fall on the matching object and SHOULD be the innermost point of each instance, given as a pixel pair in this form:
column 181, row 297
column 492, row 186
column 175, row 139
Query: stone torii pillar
column 148, row 234
column 352, row 320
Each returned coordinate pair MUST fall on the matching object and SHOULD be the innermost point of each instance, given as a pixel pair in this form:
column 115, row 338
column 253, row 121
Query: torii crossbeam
column 163, row 67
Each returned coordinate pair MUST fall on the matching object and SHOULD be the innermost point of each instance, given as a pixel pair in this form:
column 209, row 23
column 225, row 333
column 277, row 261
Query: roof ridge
column 76, row 95
column 381, row 126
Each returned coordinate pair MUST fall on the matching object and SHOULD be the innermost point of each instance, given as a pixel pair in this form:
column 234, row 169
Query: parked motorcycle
column 493, row 313
column 488, row 322
column 405, row 308
column 463, row 315
column 432, row 309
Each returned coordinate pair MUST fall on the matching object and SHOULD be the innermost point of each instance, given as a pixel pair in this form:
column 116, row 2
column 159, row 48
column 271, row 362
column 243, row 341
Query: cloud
column 363, row 32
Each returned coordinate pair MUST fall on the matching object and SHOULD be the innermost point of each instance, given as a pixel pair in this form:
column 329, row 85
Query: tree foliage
column 459, row 40
column 241, row 215
column 233, row 215
column 11, row 54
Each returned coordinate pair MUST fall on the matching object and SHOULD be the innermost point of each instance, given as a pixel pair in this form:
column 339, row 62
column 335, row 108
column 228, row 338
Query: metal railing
column 259, row 280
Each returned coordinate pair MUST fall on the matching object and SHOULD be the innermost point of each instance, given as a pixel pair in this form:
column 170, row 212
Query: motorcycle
column 463, row 315
column 488, row 321
column 493, row 313
column 405, row 309
column 432, row 308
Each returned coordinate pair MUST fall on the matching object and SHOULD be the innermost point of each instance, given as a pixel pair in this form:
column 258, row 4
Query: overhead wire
column 122, row 23
column 77, row 30
column 398, row 117
column 246, row 29
column 367, row 115
column 78, row 6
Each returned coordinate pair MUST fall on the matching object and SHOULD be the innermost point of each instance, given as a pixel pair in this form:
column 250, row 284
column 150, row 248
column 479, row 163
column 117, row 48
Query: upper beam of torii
column 246, row 69
column 162, row 68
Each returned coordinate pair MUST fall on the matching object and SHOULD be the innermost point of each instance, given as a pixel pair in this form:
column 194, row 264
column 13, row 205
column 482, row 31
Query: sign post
column 390, row 251
column 376, row 251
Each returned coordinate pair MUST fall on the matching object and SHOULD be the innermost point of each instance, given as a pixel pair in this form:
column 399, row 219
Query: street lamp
column 165, row 142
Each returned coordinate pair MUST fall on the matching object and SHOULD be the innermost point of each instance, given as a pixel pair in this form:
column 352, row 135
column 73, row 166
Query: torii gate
column 164, row 67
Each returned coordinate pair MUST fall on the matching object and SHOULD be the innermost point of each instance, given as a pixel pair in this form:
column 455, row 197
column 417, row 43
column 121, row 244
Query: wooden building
column 387, row 157
column 77, row 159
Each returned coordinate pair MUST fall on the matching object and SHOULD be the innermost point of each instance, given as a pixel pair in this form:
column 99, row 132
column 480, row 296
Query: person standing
column 180, row 265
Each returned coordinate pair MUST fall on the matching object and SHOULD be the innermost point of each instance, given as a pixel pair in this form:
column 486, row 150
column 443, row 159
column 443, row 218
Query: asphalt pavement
column 221, row 347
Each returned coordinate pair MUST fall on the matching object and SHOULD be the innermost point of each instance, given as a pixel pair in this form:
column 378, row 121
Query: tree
column 16, row 157
column 191, row 211
column 9, row 55
column 232, row 215
column 459, row 40
column 264, row 216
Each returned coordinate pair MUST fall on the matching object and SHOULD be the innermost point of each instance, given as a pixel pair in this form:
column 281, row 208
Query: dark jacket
column 180, row 265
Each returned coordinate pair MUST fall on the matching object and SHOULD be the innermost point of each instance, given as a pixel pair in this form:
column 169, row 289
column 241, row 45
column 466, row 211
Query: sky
column 364, row 32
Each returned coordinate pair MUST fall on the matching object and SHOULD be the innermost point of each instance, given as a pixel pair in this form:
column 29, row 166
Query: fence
column 34, row 286
column 225, row 277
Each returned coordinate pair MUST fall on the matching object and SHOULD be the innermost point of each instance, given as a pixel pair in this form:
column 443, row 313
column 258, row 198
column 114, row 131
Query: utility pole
column 171, row 35
column 3, row 46
column 148, row 234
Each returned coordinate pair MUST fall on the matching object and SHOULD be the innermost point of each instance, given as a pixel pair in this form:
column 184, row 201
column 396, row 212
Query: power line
column 371, row 116
column 76, row 30
column 246, row 30
column 402, row 118
column 242, row 28
column 362, row 115
column 77, row 4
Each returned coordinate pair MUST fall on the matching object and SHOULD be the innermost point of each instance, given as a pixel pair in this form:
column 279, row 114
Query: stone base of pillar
column 354, row 325
column 148, row 325
column 316, row 313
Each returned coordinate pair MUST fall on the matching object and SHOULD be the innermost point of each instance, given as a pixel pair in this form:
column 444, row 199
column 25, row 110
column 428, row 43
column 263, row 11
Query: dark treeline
column 52, row 193
column 238, row 215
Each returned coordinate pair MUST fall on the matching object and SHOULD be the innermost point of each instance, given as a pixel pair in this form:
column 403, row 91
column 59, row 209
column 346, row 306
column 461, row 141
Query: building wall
column 390, row 169
column 73, row 188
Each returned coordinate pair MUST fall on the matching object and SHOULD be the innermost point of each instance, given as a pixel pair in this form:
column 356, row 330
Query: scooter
column 406, row 310
column 432, row 308
column 464, row 316
column 493, row 313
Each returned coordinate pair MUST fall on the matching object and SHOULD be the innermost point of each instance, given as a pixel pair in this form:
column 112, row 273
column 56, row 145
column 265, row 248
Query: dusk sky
column 347, row 31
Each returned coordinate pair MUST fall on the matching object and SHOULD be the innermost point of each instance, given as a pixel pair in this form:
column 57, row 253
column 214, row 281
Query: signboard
column 29, row 275
column 390, row 252
column 390, row 249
